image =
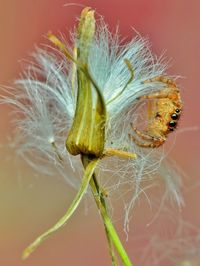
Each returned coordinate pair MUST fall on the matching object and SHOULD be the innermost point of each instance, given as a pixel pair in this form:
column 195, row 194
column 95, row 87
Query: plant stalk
column 112, row 236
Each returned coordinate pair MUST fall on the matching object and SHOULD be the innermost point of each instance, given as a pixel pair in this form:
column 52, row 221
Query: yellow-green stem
column 101, row 203
column 99, row 197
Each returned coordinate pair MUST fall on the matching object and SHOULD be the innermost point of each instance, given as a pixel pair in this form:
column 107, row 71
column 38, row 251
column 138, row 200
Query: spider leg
column 142, row 134
column 153, row 141
column 151, row 108
column 162, row 79
column 168, row 92
column 157, row 95
column 153, row 144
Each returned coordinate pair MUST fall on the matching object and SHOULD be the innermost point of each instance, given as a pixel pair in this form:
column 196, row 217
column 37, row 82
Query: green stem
column 98, row 196
column 111, row 248
column 112, row 234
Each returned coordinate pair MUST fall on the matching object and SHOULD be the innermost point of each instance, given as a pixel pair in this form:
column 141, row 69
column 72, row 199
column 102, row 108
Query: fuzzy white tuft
column 45, row 101
column 179, row 248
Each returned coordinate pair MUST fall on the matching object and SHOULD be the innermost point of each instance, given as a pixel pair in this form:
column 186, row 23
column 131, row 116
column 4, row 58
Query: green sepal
column 87, row 134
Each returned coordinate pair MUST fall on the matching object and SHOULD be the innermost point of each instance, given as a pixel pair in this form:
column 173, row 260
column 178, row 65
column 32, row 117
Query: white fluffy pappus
column 180, row 248
column 44, row 102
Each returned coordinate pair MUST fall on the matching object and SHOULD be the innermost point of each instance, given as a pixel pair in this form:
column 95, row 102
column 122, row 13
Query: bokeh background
column 29, row 203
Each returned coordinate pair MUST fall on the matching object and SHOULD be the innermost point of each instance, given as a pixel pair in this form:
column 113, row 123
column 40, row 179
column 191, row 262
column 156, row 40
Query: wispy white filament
column 175, row 249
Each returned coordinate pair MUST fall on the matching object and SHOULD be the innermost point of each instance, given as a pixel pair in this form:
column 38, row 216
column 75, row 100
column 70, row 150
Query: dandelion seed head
column 44, row 102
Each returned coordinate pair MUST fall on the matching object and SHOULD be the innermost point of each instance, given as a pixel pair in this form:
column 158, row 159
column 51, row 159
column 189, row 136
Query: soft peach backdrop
column 28, row 204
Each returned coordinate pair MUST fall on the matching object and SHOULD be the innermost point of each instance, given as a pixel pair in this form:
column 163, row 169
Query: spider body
column 163, row 114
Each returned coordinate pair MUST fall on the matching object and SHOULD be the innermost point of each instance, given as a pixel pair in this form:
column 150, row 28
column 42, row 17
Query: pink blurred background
column 28, row 204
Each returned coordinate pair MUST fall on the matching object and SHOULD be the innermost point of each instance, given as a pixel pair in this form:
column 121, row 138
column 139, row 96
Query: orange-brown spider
column 163, row 114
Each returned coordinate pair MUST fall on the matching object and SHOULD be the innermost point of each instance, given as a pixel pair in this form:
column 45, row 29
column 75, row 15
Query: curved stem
column 89, row 170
